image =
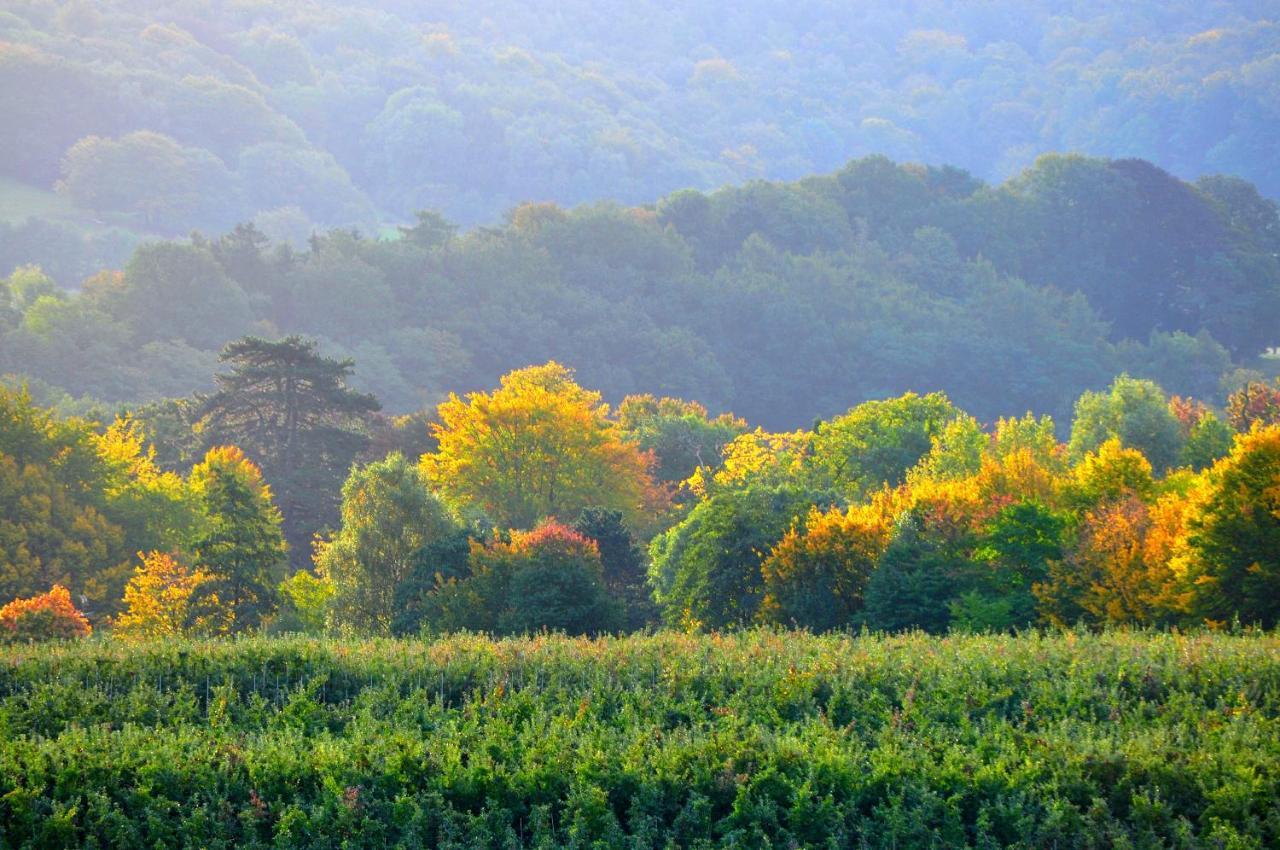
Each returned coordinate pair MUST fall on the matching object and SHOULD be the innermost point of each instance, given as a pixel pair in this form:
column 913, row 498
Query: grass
column 20, row 201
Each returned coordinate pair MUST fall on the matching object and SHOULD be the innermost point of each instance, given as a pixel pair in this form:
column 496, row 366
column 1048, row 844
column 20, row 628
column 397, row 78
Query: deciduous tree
column 48, row 616
column 167, row 599
column 240, row 544
column 538, row 446
column 388, row 517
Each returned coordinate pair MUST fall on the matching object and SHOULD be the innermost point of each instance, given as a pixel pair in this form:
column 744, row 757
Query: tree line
column 284, row 501
column 779, row 301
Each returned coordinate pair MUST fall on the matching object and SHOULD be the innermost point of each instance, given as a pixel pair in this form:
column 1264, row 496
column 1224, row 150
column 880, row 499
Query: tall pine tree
column 291, row 411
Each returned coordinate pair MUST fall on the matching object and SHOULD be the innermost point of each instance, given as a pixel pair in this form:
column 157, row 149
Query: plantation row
column 754, row 739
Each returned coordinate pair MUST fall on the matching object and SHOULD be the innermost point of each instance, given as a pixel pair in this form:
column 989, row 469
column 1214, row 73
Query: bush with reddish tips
column 49, row 616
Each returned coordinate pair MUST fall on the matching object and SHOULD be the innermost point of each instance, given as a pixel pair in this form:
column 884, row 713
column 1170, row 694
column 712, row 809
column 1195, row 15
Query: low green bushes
column 754, row 739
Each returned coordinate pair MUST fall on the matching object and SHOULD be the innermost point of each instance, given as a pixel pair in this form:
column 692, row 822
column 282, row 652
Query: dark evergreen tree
column 625, row 568
column 291, row 410
column 917, row 576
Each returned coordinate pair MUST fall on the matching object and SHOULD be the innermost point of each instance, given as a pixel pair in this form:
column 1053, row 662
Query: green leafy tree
column 388, row 517
column 241, row 546
column 623, row 563
column 680, row 434
column 57, row 523
column 705, row 572
column 435, row 565
column 547, row 578
column 1012, row 555
column 876, row 442
column 1208, row 440
column 305, row 600
column 1133, row 411
column 170, row 290
column 168, row 186
column 919, row 574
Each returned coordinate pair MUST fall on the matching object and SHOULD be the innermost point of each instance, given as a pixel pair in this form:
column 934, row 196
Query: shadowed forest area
column 781, row 302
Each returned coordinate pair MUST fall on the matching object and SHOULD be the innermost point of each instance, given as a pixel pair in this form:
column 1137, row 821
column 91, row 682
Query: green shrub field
column 754, row 739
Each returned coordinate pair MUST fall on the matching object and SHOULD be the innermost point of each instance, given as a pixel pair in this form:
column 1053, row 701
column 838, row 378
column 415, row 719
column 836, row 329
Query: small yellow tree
column 167, row 599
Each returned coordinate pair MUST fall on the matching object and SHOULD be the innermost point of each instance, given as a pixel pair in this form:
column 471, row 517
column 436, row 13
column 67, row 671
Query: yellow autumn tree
column 1019, row 475
column 1233, row 534
column 167, row 599
column 758, row 457
column 1111, row 473
column 816, row 577
column 155, row 507
column 538, row 446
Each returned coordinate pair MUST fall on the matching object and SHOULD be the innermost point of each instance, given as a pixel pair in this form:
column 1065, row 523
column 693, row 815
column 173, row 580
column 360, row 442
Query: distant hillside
column 779, row 301
column 305, row 113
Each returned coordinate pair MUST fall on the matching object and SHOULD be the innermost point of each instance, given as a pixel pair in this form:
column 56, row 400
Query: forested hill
column 159, row 116
column 780, row 301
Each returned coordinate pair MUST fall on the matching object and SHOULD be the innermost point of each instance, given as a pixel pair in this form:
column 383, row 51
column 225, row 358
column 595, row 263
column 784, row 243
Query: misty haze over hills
column 171, row 116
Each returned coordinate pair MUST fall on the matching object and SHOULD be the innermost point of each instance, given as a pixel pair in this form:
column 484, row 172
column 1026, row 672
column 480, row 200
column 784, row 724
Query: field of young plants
column 756, row 739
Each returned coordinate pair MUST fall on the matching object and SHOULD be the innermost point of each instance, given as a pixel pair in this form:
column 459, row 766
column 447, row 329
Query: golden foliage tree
column 1108, row 578
column 816, row 577
column 1234, row 533
column 538, row 446
column 165, row 599
column 757, row 457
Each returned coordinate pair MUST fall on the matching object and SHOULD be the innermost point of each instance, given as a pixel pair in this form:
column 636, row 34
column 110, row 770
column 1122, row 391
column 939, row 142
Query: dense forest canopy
column 171, row 116
column 779, row 301
column 536, row 505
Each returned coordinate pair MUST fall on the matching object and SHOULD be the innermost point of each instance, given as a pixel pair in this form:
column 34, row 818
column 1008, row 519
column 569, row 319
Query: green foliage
column 705, row 572
column 876, row 442
column 434, row 565
column 305, row 602
column 58, row 521
column 1133, row 411
column 547, row 578
column 388, row 517
column 1207, row 441
column 239, row 543
column 750, row 298
column 1012, row 554
column 623, row 564
column 920, row 569
column 758, row 739
column 681, row 435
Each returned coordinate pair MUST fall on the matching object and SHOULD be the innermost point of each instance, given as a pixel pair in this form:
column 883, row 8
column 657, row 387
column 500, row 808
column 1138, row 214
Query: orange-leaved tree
column 49, row 616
